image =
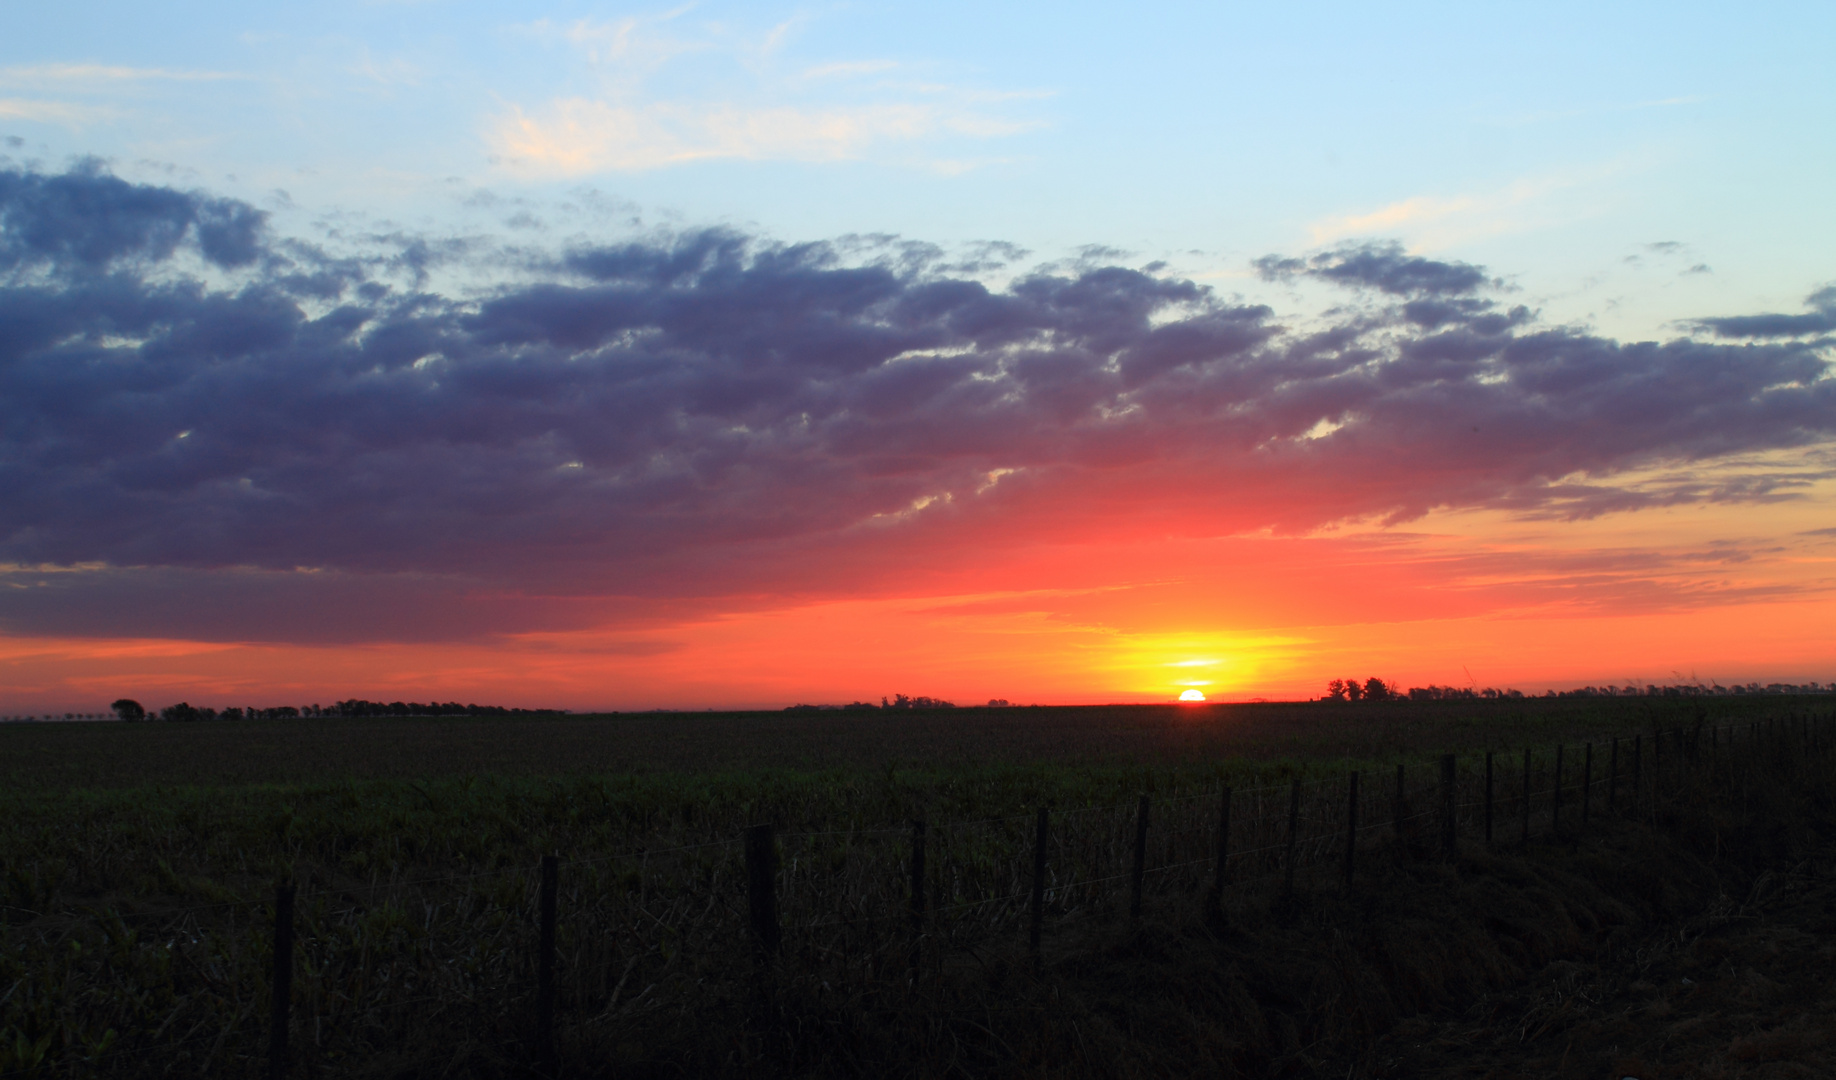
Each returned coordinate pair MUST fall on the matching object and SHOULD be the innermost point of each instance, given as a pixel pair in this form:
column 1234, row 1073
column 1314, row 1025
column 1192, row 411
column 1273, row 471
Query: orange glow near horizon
column 1459, row 600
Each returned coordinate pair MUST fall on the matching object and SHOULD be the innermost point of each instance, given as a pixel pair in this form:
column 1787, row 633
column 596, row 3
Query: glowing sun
column 1192, row 695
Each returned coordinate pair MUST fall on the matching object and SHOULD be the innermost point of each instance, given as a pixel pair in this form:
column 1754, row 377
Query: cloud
column 708, row 414
column 103, row 74
column 578, row 136
column 1440, row 221
column 66, row 113
column 91, row 220
column 848, row 69
column 774, row 115
column 1383, row 266
column 1821, row 319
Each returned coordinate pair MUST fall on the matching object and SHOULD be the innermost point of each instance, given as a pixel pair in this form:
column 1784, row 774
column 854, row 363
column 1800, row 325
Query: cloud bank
column 184, row 393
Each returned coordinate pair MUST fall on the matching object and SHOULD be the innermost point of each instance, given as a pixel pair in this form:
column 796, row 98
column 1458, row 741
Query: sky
column 599, row 356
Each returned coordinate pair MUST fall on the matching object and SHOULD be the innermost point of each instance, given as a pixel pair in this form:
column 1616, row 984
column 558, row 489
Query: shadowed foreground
column 137, row 923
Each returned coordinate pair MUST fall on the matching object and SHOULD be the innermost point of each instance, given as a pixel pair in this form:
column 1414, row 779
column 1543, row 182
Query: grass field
column 49, row 757
column 139, row 861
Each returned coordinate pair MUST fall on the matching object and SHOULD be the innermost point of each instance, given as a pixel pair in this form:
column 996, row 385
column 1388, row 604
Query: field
column 140, row 863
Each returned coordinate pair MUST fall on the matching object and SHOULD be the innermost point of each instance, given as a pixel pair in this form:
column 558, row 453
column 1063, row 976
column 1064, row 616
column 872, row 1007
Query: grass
column 138, row 861
column 43, row 757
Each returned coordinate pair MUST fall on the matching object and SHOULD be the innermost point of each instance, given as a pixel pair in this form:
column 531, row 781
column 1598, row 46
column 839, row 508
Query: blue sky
column 1622, row 167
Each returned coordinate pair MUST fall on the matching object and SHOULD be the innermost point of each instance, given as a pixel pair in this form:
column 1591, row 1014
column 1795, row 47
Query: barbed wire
column 1308, row 853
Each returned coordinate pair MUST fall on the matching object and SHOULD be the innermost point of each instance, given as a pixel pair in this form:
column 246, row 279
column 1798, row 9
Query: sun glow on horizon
column 1192, row 695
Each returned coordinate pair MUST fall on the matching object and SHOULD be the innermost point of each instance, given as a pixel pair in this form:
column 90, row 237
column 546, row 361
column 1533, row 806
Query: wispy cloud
column 1544, row 116
column 814, row 112
column 66, row 74
column 387, row 72
column 849, row 69
column 66, row 113
column 581, row 136
column 1432, row 222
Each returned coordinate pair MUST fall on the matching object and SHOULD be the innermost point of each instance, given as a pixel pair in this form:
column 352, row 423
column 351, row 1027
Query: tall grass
column 136, row 920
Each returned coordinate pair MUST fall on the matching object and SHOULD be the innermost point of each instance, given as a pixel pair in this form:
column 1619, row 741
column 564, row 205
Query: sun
column 1192, row 695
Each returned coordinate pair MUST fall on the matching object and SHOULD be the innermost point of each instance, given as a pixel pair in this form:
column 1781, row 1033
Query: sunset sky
column 599, row 356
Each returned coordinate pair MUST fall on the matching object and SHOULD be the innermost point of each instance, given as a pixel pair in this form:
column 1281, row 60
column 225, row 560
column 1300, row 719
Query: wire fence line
column 480, row 951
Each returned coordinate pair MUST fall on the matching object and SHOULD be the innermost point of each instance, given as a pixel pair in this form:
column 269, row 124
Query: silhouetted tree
column 129, row 709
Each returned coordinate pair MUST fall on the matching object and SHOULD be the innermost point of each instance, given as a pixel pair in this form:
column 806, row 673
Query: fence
column 528, row 960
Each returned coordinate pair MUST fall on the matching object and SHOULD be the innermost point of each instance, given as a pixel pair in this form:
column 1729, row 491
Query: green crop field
column 52, row 757
column 140, row 862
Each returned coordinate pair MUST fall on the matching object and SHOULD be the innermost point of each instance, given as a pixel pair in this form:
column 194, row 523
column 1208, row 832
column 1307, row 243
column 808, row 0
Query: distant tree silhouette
column 129, row 709
column 1371, row 689
column 900, row 701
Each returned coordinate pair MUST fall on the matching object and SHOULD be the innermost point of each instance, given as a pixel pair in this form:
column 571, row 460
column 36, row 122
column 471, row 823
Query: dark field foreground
column 51, row 756
column 139, row 866
column 1742, row 988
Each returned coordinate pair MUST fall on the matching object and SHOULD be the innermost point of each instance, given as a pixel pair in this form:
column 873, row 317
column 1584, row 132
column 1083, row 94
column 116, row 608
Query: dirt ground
column 1747, row 989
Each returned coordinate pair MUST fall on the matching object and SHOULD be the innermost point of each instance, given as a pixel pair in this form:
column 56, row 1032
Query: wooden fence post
column 1638, row 771
column 1040, row 834
column 1351, row 830
column 1293, row 836
column 1214, row 903
column 1587, row 784
column 545, row 966
column 1526, row 805
column 1140, row 868
column 1612, row 782
column 917, row 894
column 1555, row 803
column 762, row 888
column 281, row 985
column 1399, row 811
column 1450, row 808
column 1488, row 798
column 918, row 875
column 1657, row 767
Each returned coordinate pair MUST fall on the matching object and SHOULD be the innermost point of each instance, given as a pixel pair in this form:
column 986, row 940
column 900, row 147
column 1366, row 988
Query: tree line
column 129, row 709
column 898, row 701
column 1376, row 689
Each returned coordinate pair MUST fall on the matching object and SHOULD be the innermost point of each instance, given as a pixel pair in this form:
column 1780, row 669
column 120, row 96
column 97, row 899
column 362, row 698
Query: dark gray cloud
column 92, row 220
column 706, row 413
column 1382, row 266
column 1821, row 319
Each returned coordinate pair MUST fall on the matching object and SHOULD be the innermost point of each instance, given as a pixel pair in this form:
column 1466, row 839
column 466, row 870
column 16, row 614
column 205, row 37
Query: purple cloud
column 709, row 411
column 1382, row 266
column 1821, row 319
